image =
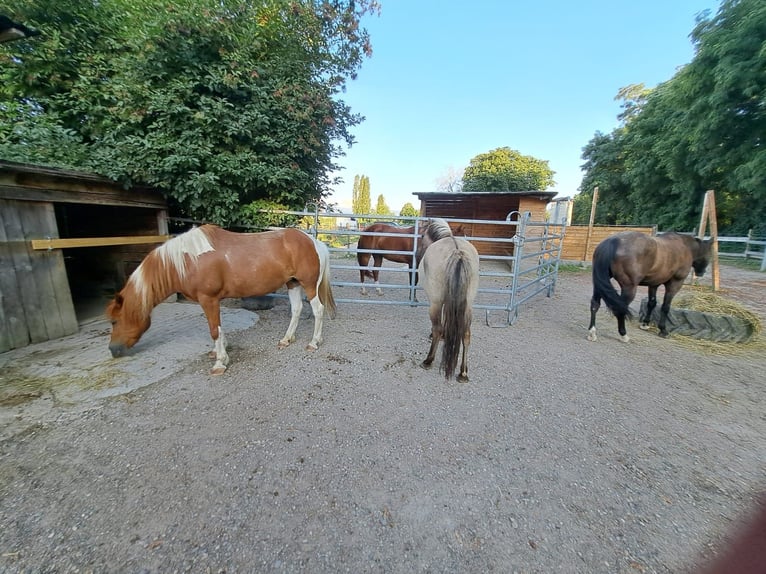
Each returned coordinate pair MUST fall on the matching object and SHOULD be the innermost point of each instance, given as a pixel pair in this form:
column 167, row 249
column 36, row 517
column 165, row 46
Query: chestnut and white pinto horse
column 207, row 264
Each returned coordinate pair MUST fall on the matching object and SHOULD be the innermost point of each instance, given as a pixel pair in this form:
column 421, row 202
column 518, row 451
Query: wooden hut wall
column 35, row 301
column 488, row 206
column 46, row 294
column 494, row 208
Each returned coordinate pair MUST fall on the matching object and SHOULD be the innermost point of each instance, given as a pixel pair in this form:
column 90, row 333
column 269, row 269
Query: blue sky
column 450, row 80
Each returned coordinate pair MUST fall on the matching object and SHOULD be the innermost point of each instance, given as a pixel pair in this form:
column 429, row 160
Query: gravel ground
column 560, row 455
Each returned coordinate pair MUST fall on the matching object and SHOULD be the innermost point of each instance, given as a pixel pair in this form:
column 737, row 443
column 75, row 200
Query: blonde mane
column 158, row 274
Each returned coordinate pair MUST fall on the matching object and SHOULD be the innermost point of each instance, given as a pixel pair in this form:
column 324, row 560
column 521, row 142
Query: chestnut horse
column 633, row 258
column 208, row 264
column 450, row 270
column 379, row 247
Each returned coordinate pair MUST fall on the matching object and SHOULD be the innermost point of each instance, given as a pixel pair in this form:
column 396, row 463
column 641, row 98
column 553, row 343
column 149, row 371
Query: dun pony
column 450, row 270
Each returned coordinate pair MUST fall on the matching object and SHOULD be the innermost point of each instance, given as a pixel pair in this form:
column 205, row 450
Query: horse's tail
column 324, row 289
column 457, row 311
column 602, row 277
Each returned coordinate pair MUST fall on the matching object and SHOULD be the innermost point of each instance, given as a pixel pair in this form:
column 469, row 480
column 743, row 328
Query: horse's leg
column 294, row 293
column 413, row 279
column 627, row 293
column 212, row 309
column 595, row 304
column 435, row 313
column 650, row 305
column 463, row 376
column 318, row 309
column 364, row 260
column 377, row 261
column 671, row 288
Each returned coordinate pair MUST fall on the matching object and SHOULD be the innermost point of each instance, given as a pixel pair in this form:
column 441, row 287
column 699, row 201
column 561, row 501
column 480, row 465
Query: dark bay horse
column 208, row 264
column 450, row 271
column 632, row 259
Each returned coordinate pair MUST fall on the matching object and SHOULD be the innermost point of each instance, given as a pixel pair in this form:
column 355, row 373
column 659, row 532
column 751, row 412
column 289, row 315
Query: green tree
column 381, row 208
column 360, row 202
column 408, row 210
column 217, row 103
column 504, row 169
column 702, row 129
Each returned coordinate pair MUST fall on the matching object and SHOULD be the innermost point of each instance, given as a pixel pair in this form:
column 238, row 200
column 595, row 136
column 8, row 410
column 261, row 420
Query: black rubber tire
column 709, row 326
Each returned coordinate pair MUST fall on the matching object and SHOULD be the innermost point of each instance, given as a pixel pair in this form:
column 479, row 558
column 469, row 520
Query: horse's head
column 701, row 256
column 433, row 230
column 127, row 328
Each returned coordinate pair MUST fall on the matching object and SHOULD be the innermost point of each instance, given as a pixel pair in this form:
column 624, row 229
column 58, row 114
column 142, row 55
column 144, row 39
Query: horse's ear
column 114, row 305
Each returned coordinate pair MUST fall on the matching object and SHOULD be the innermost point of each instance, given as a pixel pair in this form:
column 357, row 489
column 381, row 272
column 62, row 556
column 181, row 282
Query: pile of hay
column 701, row 299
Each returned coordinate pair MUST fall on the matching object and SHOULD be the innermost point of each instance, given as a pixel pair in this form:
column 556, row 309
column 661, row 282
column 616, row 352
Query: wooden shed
column 485, row 205
column 68, row 240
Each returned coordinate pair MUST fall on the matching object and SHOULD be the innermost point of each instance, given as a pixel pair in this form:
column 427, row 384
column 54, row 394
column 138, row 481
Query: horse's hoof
column 462, row 378
column 311, row 347
column 425, row 365
column 624, row 338
column 644, row 326
column 217, row 371
column 663, row 334
column 283, row 343
column 592, row 335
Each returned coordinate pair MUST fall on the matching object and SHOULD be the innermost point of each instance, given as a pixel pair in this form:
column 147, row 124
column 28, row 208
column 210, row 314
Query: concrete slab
column 78, row 370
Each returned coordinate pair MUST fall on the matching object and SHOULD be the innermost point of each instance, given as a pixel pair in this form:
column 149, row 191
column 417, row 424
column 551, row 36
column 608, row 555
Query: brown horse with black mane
column 632, row 259
column 208, row 264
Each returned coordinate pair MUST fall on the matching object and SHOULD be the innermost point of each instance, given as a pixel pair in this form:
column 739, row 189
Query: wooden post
column 703, row 217
column 715, row 271
column 593, row 204
column 708, row 213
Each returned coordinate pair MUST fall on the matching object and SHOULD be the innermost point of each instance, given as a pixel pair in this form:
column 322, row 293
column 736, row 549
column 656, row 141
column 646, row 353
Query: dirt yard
column 560, row 455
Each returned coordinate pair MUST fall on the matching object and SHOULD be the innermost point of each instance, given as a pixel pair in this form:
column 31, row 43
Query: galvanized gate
column 527, row 263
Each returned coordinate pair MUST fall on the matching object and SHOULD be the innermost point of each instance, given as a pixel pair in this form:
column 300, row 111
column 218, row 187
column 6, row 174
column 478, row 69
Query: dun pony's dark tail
column 602, row 284
column 456, row 314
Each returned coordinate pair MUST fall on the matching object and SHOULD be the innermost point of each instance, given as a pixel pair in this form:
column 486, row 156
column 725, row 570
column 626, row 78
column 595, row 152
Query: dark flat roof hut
column 68, row 241
column 488, row 205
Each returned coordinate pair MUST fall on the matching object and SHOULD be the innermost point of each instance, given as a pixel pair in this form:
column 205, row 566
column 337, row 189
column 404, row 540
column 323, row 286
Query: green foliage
column 408, row 210
column 360, row 200
column 381, row 207
column 217, row 103
column 504, row 169
column 263, row 213
column 702, row 129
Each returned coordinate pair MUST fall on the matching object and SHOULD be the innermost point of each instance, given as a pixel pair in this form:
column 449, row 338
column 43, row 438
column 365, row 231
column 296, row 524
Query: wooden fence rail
column 748, row 253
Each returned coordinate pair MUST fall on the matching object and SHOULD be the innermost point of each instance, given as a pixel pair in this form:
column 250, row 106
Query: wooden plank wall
column 35, row 301
column 576, row 237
